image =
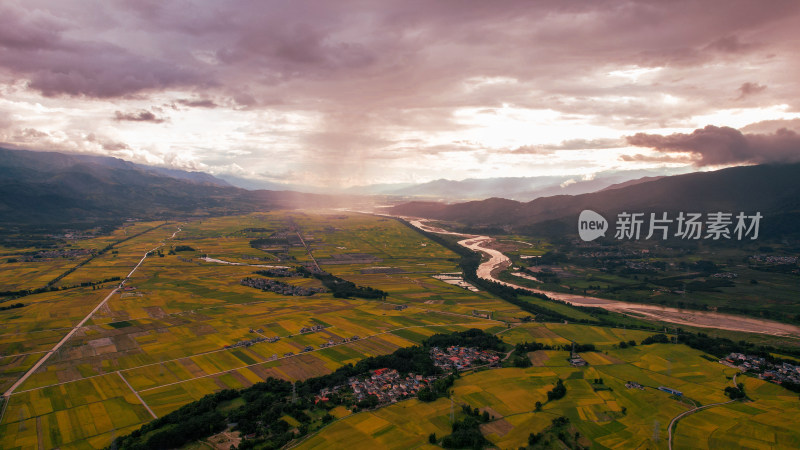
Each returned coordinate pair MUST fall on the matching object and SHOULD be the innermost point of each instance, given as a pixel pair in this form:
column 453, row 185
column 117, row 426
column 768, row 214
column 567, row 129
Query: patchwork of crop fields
column 611, row 417
column 163, row 338
column 159, row 343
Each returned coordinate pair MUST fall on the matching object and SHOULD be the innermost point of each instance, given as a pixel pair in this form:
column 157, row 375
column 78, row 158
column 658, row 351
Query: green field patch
column 342, row 354
column 244, row 357
column 411, row 335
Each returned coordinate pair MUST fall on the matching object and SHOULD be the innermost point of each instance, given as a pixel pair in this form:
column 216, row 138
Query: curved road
column 675, row 419
column 704, row 319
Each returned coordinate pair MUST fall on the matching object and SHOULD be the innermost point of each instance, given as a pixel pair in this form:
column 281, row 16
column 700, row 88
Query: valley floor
column 183, row 326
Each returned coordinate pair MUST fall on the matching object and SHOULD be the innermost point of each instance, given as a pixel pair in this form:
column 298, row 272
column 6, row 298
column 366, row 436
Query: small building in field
column 670, row 391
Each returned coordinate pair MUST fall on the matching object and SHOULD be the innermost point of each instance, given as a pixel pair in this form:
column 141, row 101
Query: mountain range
column 772, row 190
column 56, row 188
column 49, row 187
column 513, row 188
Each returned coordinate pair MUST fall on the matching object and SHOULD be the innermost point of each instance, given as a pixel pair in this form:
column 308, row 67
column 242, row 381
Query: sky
column 344, row 93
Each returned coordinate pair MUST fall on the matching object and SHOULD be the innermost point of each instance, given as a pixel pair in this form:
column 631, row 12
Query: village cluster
column 389, row 386
column 460, row 358
column 249, row 342
column 46, row 255
column 777, row 373
column 775, row 259
column 728, row 275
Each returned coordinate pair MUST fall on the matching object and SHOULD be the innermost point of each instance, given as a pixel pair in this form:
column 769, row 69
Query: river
column 497, row 262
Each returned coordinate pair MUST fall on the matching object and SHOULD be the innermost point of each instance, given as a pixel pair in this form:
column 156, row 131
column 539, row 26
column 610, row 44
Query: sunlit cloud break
column 344, row 93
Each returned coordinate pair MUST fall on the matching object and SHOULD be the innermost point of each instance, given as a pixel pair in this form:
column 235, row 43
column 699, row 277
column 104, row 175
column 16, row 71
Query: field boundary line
column 35, row 331
column 80, row 324
column 24, row 354
column 138, row 396
column 450, row 313
column 237, row 368
column 309, row 352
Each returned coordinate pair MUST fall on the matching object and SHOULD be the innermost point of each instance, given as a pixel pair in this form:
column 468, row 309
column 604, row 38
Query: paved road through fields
column 77, row 327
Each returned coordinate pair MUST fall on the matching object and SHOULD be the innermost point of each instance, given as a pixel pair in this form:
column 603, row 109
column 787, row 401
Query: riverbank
column 498, row 262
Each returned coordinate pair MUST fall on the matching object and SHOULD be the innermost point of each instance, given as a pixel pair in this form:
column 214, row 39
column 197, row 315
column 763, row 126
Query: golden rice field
column 165, row 335
column 163, row 338
column 615, row 418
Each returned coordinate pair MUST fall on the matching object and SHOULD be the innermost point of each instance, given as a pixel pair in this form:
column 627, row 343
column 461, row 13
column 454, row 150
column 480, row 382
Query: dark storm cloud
column 138, row 116
column 34, row 44
column 712, row 146
column 396, row 50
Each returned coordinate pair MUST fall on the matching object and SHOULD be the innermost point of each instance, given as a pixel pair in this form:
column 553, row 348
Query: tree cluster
column 559, row 434
column 559, row 391
column 266, row 402
column 186, row 424
column 466, row 434
column 439, row 388
column 735, row 393
column 265, row 284
column 277, row 273
column 15, row 305
column 342, row 288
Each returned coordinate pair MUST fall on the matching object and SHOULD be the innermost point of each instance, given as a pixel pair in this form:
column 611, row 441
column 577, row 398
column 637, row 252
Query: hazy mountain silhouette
column 50, row 187
column 772, row 190
column 514, row 188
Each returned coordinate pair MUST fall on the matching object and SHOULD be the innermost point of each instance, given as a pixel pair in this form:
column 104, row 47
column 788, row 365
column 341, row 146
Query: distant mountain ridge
column 513, row 188
column 632, row 182
column 769, row 189
column 43, row 161
column 50, row 187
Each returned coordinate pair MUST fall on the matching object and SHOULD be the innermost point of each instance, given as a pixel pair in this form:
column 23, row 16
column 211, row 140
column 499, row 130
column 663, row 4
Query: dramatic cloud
column 747, row 89
column 771, row 126
column 36, row 45
column 138, row 116
column 108, row 145
column 204, row 103
column 398, row 90
column 714, row 146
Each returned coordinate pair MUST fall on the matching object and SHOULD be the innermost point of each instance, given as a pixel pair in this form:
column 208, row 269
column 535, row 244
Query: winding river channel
column 497, row 262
